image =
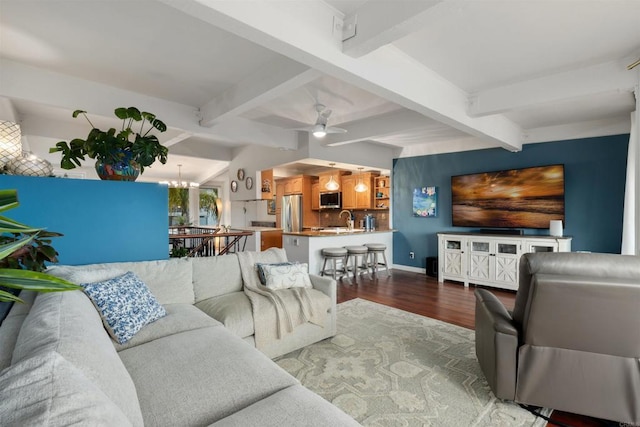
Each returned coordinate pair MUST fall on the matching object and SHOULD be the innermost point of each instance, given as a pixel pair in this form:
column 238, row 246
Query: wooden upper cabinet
column 315, row 195
column 348, row 192
column 354, row 200
column 296, row 185
column 293, row 185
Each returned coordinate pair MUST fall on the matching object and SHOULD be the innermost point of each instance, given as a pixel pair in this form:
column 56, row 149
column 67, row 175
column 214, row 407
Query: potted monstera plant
column 120, row 154
column 23, row 252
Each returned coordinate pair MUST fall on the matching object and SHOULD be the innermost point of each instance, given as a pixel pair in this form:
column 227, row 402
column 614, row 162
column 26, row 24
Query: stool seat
column 334, row 255
column 376, row 246
column 334, row 251
column 357, row 249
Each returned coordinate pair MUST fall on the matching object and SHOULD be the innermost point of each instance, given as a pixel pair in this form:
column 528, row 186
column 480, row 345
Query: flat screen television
column 516, row 198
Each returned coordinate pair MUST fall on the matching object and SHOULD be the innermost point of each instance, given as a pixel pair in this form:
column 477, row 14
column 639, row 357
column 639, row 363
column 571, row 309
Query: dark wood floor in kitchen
column 450, row 302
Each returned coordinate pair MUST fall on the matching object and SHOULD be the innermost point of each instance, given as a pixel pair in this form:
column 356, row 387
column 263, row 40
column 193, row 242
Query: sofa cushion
column 11, row 326
column 293, row 406
column 179, row 318
column 233, row 310
column 68, row 323
column 214, row 276
column 84, row 274
column 125, row 304
column 48, row 390
column 284, row 275
column 170, row 280
column 198, row 377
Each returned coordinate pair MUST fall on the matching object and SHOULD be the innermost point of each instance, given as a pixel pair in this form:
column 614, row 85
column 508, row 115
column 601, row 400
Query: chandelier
column 180, row 183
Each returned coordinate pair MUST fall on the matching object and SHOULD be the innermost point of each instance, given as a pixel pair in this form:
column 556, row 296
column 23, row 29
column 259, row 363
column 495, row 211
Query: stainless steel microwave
column 330, row 200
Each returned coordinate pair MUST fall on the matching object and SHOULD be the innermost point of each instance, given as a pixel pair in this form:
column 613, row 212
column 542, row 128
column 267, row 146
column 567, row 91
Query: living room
column 433, row 90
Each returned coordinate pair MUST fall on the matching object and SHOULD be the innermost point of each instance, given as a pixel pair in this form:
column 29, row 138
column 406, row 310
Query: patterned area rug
column 390, row 368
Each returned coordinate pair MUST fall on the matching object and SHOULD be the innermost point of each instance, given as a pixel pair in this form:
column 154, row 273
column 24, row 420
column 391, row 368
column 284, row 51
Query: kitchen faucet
column 349, row 220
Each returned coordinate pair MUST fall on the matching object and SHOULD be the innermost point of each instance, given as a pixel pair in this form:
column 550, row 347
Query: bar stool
column 335, row 255
column 373, row 260
column 358, row 254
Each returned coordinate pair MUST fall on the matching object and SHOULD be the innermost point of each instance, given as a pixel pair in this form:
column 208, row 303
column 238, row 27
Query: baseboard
column 421, row 270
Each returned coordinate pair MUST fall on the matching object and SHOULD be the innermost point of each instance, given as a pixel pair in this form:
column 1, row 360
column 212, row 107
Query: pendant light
column 332, row 184
column 360, row 187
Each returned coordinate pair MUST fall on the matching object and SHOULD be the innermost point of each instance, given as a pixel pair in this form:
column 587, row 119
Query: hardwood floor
column 450, row 302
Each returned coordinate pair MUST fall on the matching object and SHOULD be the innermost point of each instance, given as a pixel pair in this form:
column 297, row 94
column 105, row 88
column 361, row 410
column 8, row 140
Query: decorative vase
column 121, row 171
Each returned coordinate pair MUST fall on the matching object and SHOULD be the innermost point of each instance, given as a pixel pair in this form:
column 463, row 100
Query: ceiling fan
column 320, row 128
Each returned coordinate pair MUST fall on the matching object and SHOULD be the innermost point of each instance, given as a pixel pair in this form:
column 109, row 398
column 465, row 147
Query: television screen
column 517, row 198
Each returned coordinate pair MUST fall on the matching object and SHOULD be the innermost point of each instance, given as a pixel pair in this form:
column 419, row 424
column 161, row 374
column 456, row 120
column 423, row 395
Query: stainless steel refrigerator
column 291, row 212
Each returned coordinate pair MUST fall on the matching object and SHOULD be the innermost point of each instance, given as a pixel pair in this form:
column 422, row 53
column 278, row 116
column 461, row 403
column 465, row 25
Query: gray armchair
column 572, row 341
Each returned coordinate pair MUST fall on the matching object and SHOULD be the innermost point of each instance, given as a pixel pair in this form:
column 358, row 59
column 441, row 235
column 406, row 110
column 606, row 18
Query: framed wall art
column 425, row 202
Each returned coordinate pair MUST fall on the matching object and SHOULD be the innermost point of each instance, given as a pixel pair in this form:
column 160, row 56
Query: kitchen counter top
column 328, row 233
column 256, row 228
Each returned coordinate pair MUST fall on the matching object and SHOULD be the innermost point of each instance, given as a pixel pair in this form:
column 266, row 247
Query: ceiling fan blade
column 335, row 130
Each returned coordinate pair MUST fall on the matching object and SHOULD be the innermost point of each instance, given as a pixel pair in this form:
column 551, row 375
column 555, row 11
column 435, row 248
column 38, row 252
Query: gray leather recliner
column 572, row 341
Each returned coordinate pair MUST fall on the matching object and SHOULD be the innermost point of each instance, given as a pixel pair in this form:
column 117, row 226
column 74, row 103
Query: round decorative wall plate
column 234, row 186
column 249, row 183
column 241, row 174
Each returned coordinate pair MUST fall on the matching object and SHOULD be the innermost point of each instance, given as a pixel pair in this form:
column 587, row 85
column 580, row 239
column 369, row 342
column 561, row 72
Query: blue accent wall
column 102, row 221
column 595, row 170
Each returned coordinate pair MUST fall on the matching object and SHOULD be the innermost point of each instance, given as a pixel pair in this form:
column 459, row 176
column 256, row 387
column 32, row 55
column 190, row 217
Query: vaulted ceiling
column 419, row 76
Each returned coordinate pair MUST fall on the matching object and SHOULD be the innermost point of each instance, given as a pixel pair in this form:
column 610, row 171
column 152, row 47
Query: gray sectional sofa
column 196, row 366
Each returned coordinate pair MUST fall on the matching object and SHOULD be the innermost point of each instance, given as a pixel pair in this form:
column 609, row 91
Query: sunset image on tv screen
column 517, row 198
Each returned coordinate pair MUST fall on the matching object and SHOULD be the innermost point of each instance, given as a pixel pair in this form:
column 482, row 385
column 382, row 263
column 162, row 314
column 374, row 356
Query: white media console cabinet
column 490, row 259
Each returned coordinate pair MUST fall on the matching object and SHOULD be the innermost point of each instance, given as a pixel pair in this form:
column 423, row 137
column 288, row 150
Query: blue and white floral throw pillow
column 125, row 305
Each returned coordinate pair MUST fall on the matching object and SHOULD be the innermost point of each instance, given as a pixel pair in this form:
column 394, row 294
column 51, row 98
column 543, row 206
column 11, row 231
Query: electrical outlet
column 412, row 255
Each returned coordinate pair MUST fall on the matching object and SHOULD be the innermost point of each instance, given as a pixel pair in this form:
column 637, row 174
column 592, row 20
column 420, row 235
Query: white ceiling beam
column 608, row 77
column 305, row 33
column 268, row 83
column 212, row 172
column 33, row 84
column 202, row 149
column 377, row 24
column 588, row 129
column 378, row 126
column 177, row 139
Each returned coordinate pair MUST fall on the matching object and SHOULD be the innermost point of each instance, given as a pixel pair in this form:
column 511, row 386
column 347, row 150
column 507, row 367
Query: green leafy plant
column 23, row 252
column 179, row 252
column 112, row 146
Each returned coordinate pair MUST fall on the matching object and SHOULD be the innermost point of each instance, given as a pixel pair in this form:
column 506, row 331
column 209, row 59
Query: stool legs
column 374, row 261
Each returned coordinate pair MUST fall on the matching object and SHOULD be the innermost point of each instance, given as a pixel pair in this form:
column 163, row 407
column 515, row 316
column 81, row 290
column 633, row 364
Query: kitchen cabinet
column 490, row 259
column 382, row 189
column 351, row 199
column 315, row 195
column 270, row 239
column 293, row 185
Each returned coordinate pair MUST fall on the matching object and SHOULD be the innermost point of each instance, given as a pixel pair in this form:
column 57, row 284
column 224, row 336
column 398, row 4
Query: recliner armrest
column 500, row 317
column 496, row 344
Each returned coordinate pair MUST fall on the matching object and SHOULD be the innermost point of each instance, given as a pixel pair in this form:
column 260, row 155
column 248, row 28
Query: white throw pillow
column 284, row 275
column 125, row 304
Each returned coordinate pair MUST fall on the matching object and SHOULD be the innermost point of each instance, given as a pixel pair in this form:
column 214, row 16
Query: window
column 210, row 206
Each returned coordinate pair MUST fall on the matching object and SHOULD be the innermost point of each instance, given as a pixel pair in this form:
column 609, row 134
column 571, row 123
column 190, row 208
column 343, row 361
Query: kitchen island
column 306, row 246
